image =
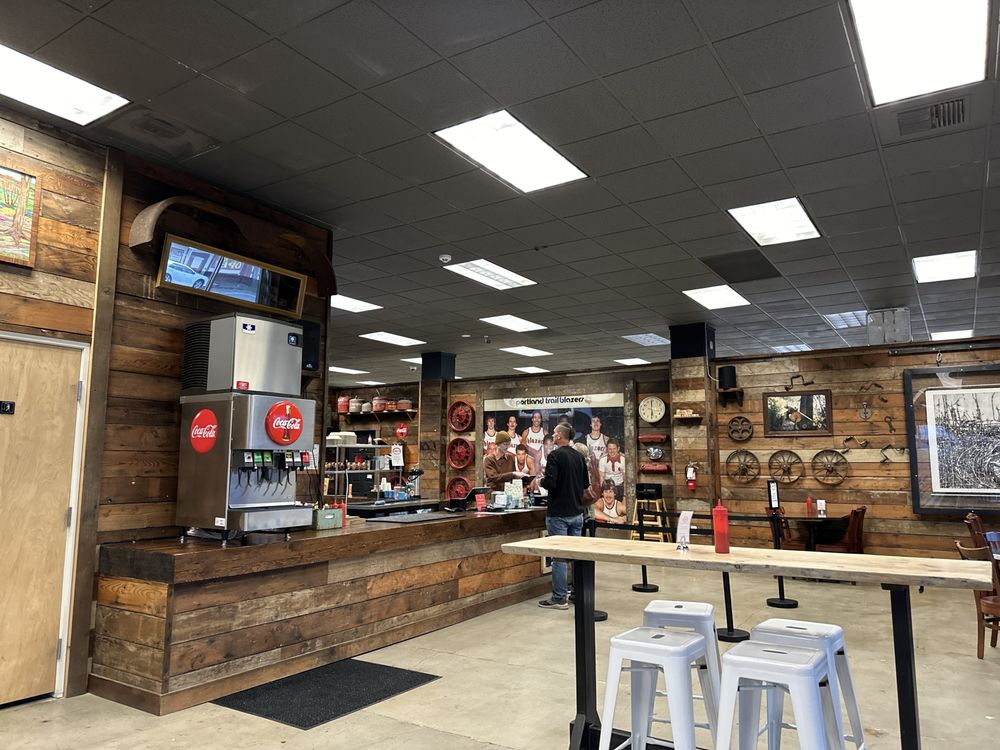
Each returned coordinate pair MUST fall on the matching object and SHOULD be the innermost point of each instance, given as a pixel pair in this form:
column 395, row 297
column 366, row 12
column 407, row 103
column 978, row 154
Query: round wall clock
column 652, row 409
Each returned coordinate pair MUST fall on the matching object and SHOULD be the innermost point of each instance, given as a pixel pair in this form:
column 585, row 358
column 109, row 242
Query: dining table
column 895, row 575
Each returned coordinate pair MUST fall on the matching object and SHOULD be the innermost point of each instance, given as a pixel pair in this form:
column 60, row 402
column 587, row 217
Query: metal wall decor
column 888, row 446
column 742, row 466
column 461, row 416
column 654, row 453
column 459, row 453
column 458, row 487
column 874, row 388
column 829, row 467
column 740, row 429
column 847, row 449
column 785, row 466
column 791, row 382
column 865, row 412
column 888, row 421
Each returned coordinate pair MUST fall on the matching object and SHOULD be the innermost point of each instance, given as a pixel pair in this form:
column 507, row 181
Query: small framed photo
column 18, row 217
column 808, row 413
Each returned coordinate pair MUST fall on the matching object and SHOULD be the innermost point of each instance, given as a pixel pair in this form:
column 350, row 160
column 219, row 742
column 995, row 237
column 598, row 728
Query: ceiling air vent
column 890, row 326
column 947, row 114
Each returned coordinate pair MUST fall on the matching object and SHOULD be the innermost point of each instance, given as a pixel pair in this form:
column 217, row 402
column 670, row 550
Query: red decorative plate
column 459, row 453
column 461, row 416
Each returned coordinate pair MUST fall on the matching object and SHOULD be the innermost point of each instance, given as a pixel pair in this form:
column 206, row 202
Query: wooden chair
column 987, row 602
column 788, row 540
column 975, row 526
column 853, row 541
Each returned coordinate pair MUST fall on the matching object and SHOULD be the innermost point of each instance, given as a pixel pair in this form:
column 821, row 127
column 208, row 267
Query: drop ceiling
column 676, row 110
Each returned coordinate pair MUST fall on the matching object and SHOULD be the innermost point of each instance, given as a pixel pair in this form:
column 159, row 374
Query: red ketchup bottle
column 720, row 527
column 809, row 506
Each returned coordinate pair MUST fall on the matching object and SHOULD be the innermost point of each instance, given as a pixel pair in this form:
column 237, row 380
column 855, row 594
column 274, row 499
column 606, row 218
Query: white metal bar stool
column 699, row 617
column 750, row 668
column 829, row 639
column 651, row 650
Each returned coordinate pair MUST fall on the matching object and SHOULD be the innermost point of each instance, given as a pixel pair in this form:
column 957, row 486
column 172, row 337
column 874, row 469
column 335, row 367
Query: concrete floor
column 507, row 679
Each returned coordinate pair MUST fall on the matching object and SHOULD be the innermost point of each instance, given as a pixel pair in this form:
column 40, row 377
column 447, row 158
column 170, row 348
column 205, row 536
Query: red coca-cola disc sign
column 283, row 423
column 401, row 430
column 204, row 431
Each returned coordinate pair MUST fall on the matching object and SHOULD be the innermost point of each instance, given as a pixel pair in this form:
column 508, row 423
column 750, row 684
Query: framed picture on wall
column 18, row 217
column 809, row 412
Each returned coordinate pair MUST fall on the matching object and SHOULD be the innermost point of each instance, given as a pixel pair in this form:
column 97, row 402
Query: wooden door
column 36, row 467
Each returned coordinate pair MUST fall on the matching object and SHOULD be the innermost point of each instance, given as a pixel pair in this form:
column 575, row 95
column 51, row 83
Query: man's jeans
column 572, row 526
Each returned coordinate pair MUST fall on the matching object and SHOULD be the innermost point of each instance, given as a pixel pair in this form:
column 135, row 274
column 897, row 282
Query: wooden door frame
column 75, row 491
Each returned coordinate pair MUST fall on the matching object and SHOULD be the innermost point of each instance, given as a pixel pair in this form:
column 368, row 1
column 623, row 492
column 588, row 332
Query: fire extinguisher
column 691, row 473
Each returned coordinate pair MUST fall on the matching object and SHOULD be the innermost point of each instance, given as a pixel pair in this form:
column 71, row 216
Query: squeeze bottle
column 809, row 506
column 720, row 527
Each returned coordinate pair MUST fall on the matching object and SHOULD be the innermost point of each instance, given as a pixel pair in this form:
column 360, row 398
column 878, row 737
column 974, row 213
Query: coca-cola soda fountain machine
column 245, row 434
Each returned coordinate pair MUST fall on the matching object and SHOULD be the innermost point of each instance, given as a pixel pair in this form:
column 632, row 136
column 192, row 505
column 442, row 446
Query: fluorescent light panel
column 789, row 348
column 490, row 274
column 41, row 86
column 632, row 362
column 717, row 297
column 775, row 222
column 647, row 339
column 391, row 338
column 914, row 47
column 531, row 370
column 527, row 351
column 343, row 302
column 855, row 319
column 413, row 360
column 945, row 267
column 513, row 323
column 946, row 335
column 348, row 371
column 508, row 149
column 370, row 382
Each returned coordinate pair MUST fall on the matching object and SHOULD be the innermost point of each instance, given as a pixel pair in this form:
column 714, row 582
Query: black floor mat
column 320, row 695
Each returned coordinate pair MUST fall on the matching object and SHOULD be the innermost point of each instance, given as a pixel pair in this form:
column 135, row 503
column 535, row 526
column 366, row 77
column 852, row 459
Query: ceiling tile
column 471, row 189
column 547, row 233
column 358, row 124
column 410, row 205
column 293, row 146
column 278, row 16
column 857, row 221
column 709, row 225
column 580, row 250
column 730, row 162
column 750, row 191
column 523, row 66
column 723, row 243
column 937, row 182
column 421, row 159
column 214, row 109
column 845, row 200
column 453, row 26
column 241, row 169
column 141, row 130
column 807, row 102
column 616, row 219
column 516, row 212
column 358, row 179
column 435, row 97
column 403, row 239
column 573, row 114
column 648, row 181
column 672, row 207
column 361, row 44
column 824, row 141
column 609, row 40
column 703, row 128
column 836, row 173
column 35, row 23
column 742, row 266
column 306, row 194
column 357, row 218
column 453, row 227
column 653, row 256
column 572, row 198
column 936, row 153
column 633, row 239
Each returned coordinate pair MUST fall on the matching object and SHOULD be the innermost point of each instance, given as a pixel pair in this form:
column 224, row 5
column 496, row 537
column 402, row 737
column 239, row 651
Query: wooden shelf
column 380, row 416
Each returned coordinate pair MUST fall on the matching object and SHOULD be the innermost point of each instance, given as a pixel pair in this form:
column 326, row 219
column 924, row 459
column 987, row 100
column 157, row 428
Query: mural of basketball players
column 515, row 437
column 490, row 436
column 533, row 437
column 523, row 465
column 597, row 441
column 609, row 508
column 612, row 468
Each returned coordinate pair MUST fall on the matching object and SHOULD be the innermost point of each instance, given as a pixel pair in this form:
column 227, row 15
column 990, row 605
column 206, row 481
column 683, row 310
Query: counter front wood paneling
column 181, row 624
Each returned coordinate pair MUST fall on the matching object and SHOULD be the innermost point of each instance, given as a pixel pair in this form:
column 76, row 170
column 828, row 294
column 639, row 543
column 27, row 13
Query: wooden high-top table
column 895, row 574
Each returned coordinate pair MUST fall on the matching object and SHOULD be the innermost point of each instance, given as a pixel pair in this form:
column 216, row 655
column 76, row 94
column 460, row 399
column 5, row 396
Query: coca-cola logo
column 204, row 431
column 283, row 423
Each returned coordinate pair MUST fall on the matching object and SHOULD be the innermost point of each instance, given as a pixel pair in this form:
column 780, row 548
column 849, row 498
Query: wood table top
column 834, row 566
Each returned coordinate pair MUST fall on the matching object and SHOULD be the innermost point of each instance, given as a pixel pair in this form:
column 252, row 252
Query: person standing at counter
column 498, row 468
column 566, row 478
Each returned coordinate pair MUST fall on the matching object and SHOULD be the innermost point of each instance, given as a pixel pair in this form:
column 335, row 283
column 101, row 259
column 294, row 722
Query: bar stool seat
column 750, row 668
column 829, row 639
column 650, row 651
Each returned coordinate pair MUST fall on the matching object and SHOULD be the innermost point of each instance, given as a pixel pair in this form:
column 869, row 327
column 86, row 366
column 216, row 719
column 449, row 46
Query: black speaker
column 727, row 376
column 692, row 340
column 310, row 345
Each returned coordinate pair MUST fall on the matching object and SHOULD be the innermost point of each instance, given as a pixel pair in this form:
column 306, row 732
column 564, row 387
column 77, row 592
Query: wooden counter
column 181, row 624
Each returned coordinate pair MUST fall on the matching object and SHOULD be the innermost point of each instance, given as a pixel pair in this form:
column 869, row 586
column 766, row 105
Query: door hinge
column 79, row 391
column 69, row 516
column 59, row 649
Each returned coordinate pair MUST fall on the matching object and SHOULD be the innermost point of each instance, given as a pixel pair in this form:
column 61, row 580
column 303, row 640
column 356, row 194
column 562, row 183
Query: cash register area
column 521, row 656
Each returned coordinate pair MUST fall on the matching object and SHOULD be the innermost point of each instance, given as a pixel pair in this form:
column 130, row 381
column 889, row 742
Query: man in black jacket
column 565, row 479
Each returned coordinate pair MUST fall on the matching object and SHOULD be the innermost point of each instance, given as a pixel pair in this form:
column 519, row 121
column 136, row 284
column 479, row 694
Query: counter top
column 171, row 561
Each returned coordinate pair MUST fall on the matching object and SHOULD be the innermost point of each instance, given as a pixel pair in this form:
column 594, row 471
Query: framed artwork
column 809, row 412
column 953, row 431
column 18, row 217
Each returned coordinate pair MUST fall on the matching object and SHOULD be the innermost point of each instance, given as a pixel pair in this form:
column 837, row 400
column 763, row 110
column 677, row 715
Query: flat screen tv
column 196, row 268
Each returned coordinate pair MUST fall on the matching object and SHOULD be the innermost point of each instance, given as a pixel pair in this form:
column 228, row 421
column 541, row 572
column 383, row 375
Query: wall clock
column 652, row 409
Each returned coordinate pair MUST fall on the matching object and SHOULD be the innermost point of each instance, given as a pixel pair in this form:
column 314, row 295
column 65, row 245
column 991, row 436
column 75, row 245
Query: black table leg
column 779, row 601
column 729, row 634
column 906, row 668
column 586, row 665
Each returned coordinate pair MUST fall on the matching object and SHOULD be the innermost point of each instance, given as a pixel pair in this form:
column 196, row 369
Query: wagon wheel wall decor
column 740, row 429
column 829, row 467
column 461, row 416
column 742, row 466
column 457, row 488
column 785, row 466
column 459, row 453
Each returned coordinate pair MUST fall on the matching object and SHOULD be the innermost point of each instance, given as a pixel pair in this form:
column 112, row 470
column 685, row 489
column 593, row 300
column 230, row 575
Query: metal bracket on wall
column 861, row 443
column 888, row 421
column 873, row 387
column 791, row 381
column 887, row 446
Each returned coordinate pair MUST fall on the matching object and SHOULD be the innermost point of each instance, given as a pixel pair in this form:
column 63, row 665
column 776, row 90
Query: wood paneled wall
column 890, row 525
column 56, row 297
column 139, row 485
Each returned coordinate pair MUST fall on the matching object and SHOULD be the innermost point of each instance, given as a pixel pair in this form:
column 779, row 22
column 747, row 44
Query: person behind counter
column 499, row 468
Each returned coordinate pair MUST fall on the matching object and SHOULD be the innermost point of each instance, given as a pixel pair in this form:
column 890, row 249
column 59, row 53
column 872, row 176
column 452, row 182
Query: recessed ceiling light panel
column 915, row 47
column 490, row 274
column 717, row 297
column 511, row 151
column 370, row 382
column 647, row 339
column 531, row 370
column 855, row 319
column 945, row 267
column 391, row 338
column 513, row 323
column 413, row 360
column 43, row 87
column 348, row 370
column 632, row 362
column 789, row 348
column 775, row 222
column 527, row 351
column 343, row 302
column 946, row 335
